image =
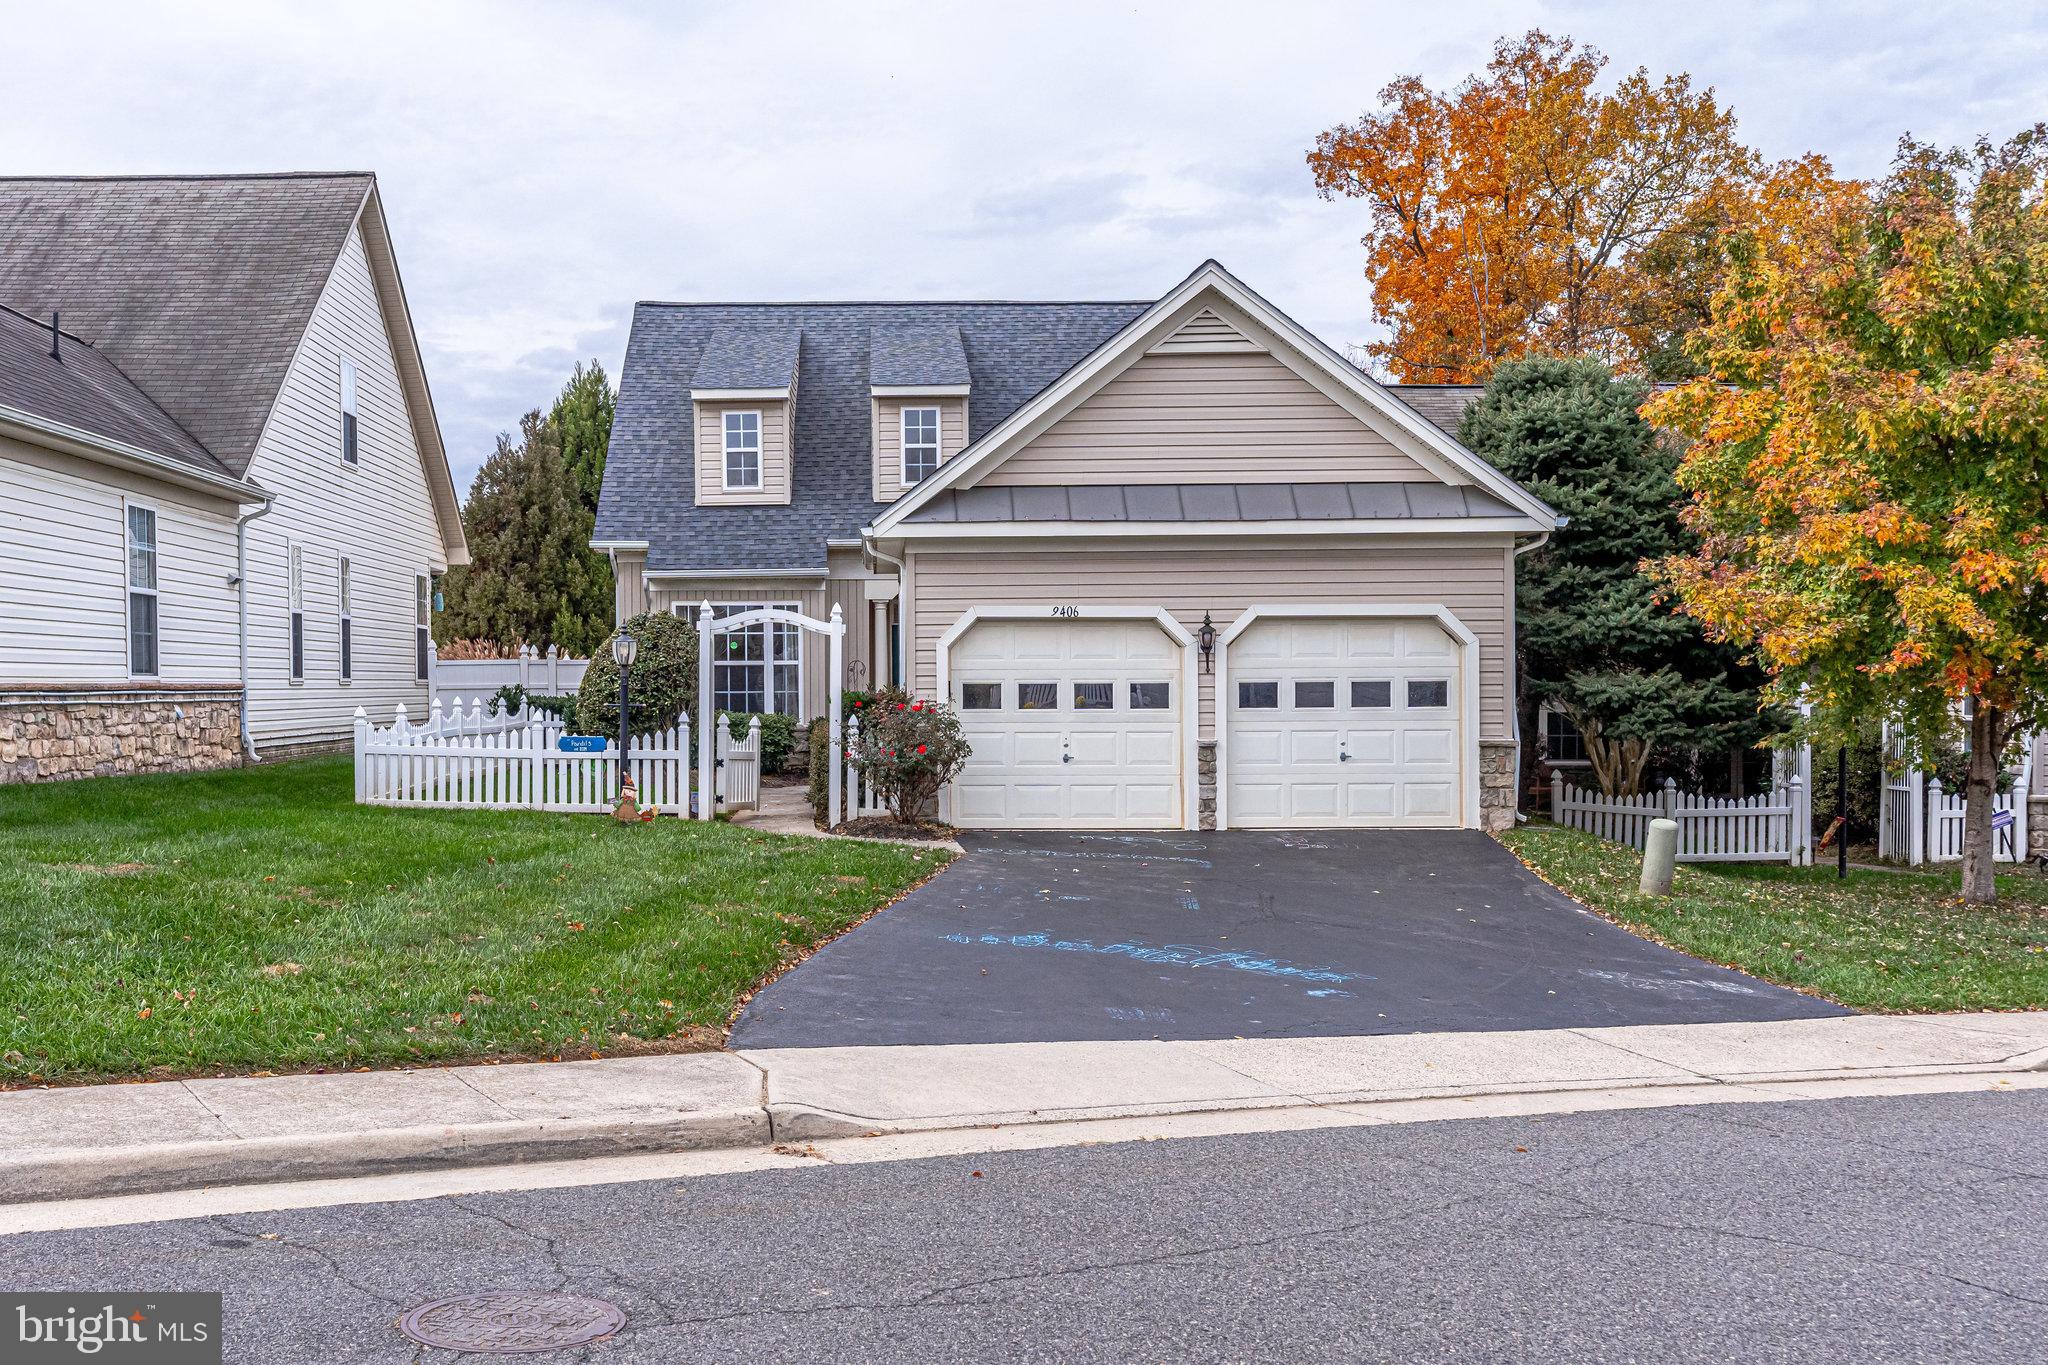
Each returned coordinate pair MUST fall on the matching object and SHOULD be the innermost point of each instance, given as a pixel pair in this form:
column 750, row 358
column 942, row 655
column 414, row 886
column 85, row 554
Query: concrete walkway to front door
column 1048, row 937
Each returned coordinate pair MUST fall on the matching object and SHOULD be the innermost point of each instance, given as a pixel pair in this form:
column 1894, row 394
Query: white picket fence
column 457, row 760
column 549, row 674
column 1774, row 826
column 1919, row 821
column 861, row 798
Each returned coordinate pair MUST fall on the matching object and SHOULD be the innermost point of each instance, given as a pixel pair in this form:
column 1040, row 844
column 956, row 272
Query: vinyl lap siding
column 711, row 454
column 888, row 419
column 1207, row 418
column 378, row 513
column 63, row 573
column 1472, row 580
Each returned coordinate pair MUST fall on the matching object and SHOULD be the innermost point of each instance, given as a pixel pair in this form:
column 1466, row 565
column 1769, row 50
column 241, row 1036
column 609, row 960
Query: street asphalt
column 1876, row 1230
column 1065, row 937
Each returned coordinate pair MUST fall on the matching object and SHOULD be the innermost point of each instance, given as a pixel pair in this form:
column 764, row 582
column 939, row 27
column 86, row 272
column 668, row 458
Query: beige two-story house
column 1176, row 562
column 223, row 495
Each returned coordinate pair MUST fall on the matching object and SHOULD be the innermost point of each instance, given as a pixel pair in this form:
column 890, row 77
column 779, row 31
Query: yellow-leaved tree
column 1868, row 470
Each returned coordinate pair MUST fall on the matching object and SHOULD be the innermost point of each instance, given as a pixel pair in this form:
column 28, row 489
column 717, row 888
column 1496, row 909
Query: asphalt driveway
column 1047, row 937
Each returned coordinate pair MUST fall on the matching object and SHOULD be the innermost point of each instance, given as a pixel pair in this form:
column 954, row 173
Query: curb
column 97, row 1172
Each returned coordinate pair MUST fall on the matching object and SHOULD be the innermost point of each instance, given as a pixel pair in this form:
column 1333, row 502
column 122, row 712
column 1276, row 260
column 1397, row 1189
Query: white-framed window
column 1562, row 746
column 348, row 411
column 742, row 450
column 295, row 599
column 343, row 595
column 757, row 667
column 920, row 443
column 423, row 624
column 144, row 630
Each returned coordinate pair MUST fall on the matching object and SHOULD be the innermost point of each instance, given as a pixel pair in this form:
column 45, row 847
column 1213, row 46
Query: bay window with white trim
column 144, row 641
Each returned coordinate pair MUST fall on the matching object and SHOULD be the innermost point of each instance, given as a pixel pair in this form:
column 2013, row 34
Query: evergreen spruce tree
column 1635, row 677
column 532, row 576
column 528, row 580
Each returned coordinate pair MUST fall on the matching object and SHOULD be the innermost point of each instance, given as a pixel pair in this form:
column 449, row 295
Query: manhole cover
column 509, row 1323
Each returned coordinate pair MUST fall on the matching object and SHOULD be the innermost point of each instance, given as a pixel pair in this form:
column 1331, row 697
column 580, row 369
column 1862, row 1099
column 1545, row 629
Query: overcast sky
column 544, row 166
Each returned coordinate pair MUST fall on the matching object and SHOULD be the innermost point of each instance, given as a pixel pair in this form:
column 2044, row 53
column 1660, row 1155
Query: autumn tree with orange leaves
column 1869, row 462
column 1526, row 212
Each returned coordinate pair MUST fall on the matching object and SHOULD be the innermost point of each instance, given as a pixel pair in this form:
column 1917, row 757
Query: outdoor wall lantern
column 1207, row 638
column 624, row 647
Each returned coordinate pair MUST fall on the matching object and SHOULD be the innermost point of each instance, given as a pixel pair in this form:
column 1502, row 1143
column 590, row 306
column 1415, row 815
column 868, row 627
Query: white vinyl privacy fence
column 549, row 674
column 1771, row 827
column 461, row 760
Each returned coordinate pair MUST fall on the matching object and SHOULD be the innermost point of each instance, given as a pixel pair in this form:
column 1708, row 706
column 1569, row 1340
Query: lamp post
column 624, row 647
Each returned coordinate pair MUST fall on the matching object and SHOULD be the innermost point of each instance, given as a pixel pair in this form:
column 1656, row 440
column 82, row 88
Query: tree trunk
column 1980, row 884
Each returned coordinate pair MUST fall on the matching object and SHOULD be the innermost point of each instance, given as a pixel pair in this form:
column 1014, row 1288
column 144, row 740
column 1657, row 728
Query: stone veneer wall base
column 56, row 731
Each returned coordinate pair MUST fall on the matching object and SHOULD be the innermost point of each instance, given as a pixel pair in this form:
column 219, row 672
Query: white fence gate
column 1774, row 826
column 447, row 764
column 1918, row 821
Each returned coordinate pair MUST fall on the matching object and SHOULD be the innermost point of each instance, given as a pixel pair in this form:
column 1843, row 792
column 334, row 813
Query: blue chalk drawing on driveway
column 1327, row 994
column 1168, row 954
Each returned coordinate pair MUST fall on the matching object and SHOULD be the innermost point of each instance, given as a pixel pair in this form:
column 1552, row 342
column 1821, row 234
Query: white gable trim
column 1335, row 376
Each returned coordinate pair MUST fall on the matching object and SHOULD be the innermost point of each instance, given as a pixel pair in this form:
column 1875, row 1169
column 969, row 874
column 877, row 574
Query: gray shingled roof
column 911, row 356
column 748, row 358
column 197, row 287
column 83, row 389
column 1211, row 502
column 1013, row 350
column 1442, row 404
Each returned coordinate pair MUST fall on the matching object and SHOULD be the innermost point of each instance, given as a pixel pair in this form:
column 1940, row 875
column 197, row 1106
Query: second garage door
column 1341, row 721
column 1072, row 723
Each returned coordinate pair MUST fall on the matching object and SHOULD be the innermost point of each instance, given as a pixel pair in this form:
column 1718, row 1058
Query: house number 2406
column 1066, row 611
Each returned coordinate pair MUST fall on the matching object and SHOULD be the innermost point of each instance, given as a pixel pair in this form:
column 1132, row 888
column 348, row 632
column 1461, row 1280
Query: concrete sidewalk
column 95, row 1141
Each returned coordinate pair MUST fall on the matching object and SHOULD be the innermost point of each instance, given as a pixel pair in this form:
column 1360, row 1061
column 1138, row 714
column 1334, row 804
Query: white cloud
column 546, row 165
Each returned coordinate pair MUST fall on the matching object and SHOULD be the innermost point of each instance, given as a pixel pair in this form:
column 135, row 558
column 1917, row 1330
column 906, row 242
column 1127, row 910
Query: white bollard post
column 1660, row 854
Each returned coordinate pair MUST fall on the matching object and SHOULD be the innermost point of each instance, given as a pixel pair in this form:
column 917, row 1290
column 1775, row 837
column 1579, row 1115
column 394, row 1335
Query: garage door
column 1072, row 724
column 1337, row 721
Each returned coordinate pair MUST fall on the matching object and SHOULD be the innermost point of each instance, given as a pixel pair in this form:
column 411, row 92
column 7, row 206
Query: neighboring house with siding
column 1034, row 509
column 223, row 495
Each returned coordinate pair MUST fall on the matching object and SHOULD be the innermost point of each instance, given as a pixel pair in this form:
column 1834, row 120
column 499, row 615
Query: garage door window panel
column 1372, row 694
column 1094, row 696
column 1151, row 696
column 1258, row 696
column 981, row 696
column 1429, row 694
column 1038, row 696
column 1314, row 695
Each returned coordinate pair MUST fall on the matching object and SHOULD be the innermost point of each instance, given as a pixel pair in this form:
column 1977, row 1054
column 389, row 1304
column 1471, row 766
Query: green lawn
column 1889, row 941
column 260, row 920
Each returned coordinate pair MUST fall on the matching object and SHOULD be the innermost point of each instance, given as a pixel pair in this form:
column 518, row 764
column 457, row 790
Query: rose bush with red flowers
column 907, row 749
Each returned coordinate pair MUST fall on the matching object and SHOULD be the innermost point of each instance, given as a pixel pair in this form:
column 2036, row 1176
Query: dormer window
column 742, row 451
column 920, row 443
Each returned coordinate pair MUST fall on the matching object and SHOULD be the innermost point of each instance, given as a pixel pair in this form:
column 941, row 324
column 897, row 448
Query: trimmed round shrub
column 664, row 677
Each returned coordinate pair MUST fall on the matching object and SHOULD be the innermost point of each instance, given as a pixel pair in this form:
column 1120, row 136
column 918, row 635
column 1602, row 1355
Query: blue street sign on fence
column 2001, row 819
column 581, row 744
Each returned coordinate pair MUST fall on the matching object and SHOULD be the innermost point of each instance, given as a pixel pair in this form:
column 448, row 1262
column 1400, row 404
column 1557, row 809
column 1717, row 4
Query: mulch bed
column 888, row 827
